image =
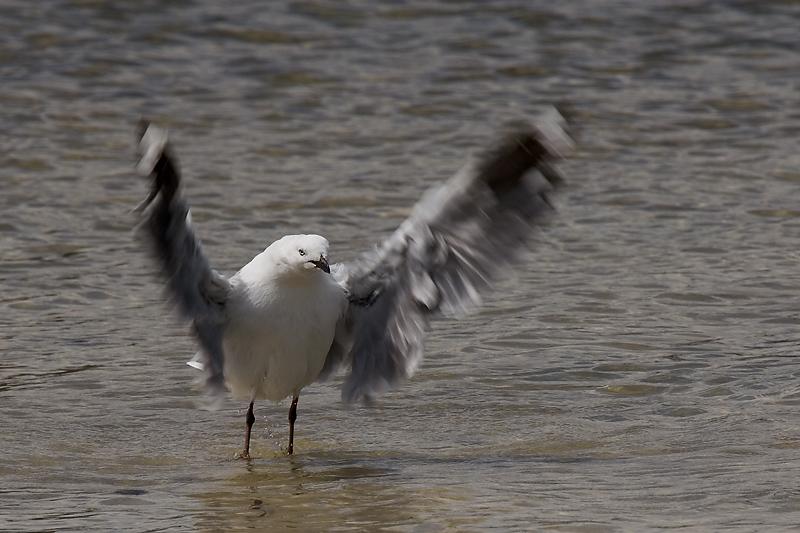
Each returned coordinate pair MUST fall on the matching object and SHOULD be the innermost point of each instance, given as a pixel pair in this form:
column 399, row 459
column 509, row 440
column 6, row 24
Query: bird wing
column 456, row 240
column 200, row 293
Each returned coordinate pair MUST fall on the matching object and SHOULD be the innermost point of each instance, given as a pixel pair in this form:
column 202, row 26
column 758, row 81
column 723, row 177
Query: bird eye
column 301, row 251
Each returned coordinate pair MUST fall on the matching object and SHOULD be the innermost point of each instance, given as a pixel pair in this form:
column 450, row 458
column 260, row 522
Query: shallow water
column 638, row 372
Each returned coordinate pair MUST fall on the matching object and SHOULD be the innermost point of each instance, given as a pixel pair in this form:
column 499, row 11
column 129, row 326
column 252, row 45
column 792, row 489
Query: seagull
column 289, row 318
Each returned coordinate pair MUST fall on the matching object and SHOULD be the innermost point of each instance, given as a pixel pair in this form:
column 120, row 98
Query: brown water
column 639, row 372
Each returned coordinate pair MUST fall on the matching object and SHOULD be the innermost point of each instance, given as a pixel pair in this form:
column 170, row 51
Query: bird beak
column 322, row 264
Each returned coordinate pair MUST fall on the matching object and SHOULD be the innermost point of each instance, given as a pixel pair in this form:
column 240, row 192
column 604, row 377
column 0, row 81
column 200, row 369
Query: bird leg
column 245, row 454
column 292, row 418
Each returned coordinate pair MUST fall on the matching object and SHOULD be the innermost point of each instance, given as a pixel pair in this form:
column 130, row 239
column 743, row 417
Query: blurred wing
column 198, row 292
column 456, row 240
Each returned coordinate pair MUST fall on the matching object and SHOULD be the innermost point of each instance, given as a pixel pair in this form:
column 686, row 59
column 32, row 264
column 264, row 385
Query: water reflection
column 324, row 491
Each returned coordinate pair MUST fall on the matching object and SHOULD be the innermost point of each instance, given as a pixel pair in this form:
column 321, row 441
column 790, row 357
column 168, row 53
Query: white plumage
column 282, row 318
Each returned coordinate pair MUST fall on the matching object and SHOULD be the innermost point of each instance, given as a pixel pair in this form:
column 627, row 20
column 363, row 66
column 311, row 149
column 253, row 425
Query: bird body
column 288, row 318
column 280, row 321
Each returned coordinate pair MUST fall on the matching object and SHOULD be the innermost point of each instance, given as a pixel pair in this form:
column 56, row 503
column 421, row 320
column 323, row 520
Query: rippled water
column 640, row 370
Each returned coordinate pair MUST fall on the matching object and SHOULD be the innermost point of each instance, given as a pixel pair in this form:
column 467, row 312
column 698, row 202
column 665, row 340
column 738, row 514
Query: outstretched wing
column 457, row 238
column 198, row 291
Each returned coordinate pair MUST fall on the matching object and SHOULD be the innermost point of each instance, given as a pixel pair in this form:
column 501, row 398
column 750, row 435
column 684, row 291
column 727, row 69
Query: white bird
column 288, row 318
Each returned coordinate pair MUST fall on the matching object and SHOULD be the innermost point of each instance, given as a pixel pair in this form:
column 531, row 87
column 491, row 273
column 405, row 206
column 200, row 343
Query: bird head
column 301, row 254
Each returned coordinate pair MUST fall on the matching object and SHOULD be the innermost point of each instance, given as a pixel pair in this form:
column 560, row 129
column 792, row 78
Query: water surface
column 639, row 371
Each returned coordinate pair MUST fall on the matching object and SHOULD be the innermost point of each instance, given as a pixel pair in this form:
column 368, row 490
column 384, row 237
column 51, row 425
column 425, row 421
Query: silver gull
column 288, row 318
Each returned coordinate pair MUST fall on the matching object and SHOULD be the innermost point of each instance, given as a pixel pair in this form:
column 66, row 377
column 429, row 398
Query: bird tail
column 196, row 361
column 215, row 396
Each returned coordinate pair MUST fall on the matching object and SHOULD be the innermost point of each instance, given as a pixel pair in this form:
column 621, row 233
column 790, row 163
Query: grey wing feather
column 199, row 292
column 456, row 240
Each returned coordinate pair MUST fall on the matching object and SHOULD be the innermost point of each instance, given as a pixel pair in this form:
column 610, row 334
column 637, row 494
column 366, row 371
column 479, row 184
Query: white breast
column 278, row 336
